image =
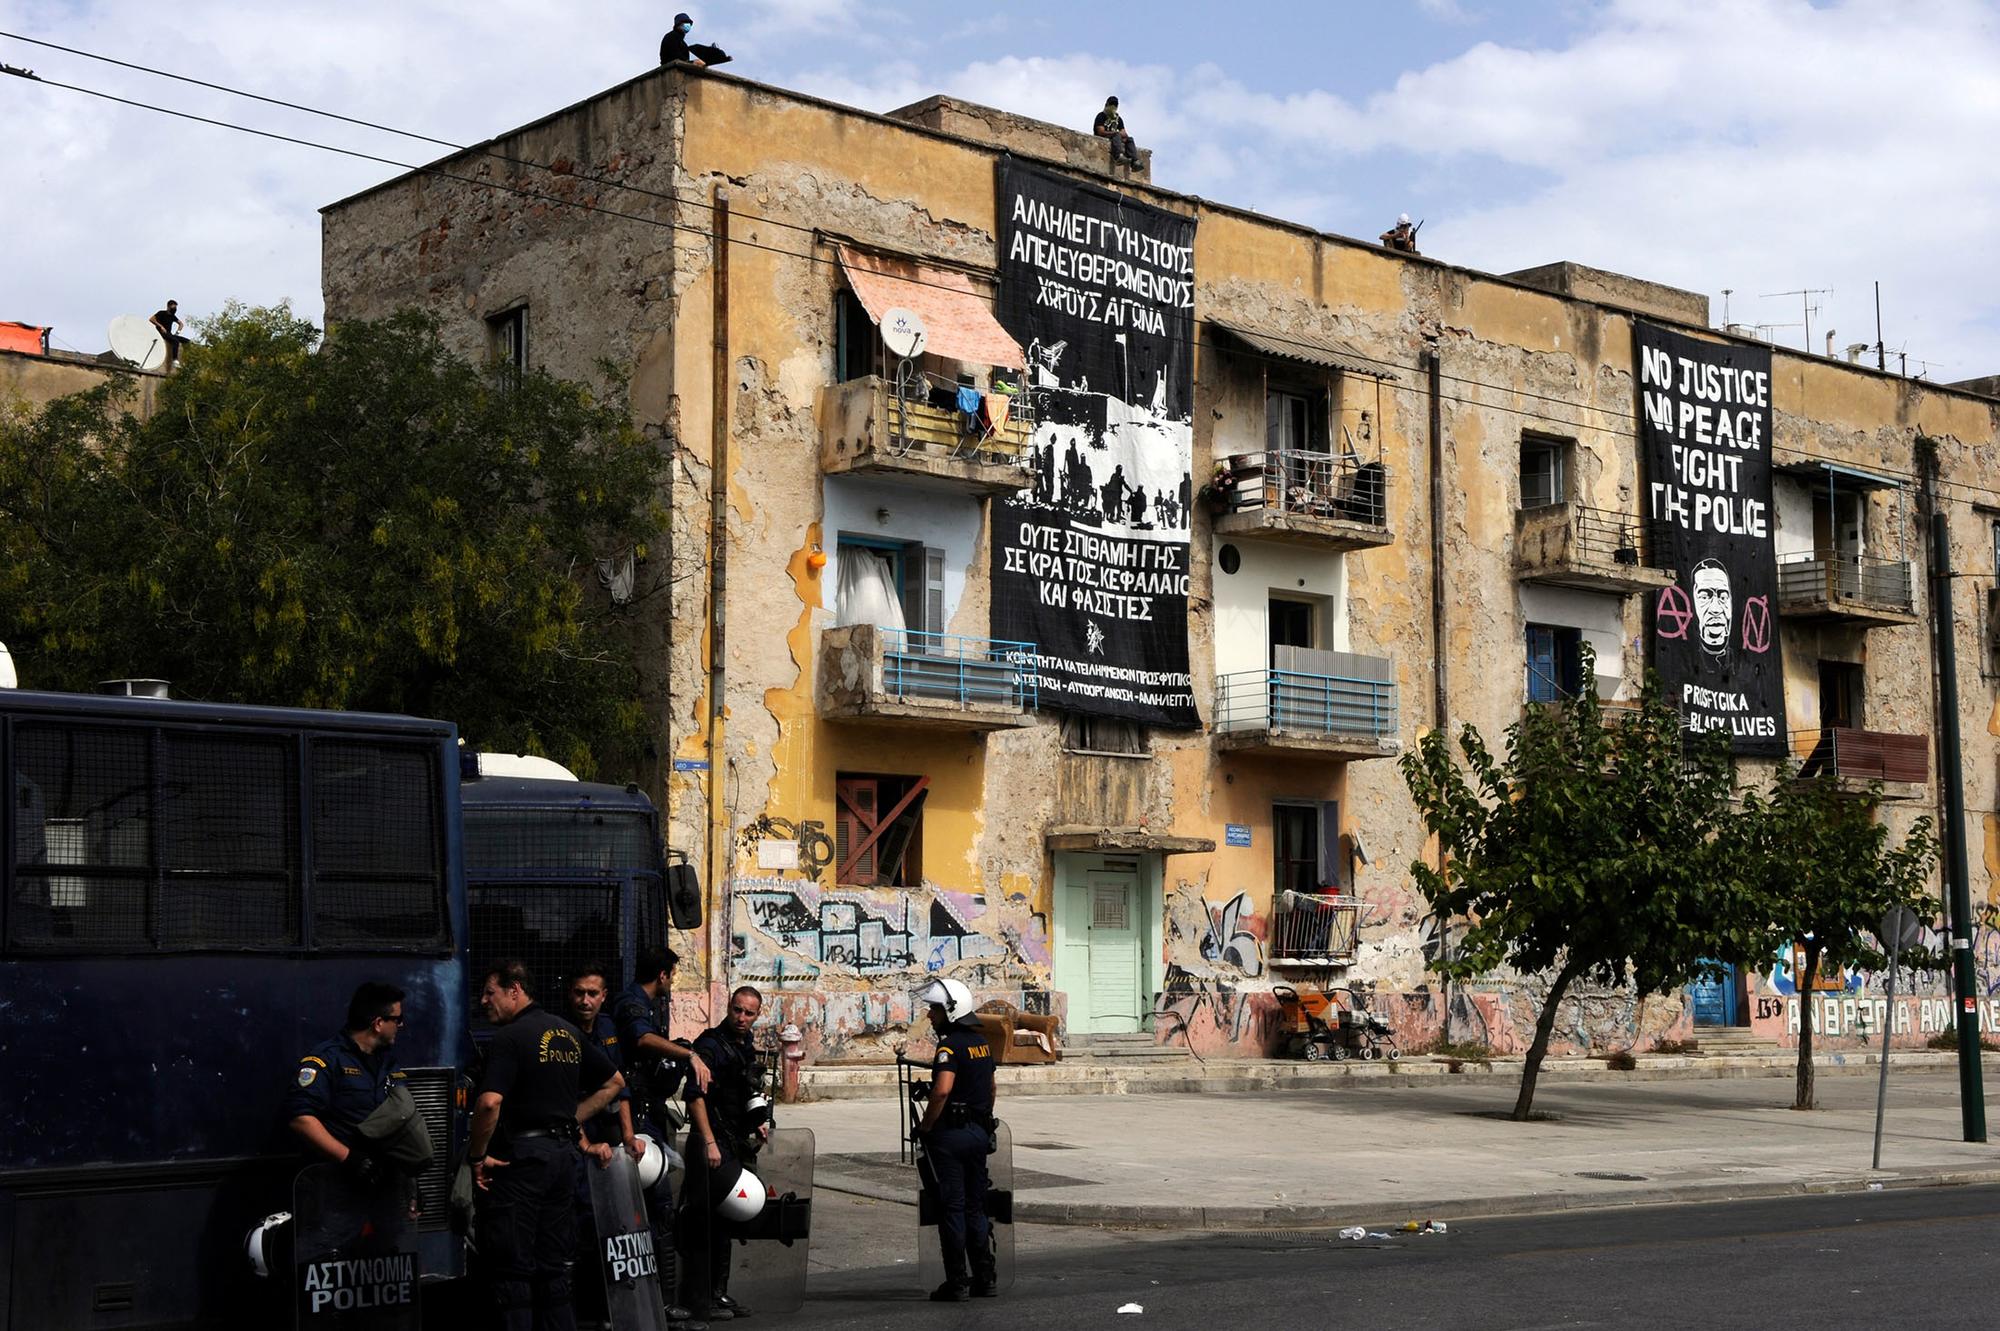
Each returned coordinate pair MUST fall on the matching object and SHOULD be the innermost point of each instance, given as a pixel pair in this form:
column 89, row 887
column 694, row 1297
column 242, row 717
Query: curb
column 1229, row 1218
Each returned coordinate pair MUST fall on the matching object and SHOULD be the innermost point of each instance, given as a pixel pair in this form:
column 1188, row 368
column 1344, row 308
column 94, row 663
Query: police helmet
column 258, row 1246
column 656, row 1160
column 949, row 994
column 744, row 1199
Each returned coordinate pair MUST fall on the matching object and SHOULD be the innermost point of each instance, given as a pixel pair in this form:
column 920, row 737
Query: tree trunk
column 1803, row 1098
column 1536, row 1051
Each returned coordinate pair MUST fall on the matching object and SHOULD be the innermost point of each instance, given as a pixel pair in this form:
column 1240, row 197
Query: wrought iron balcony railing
column 1309, row 928
column 1825, row 576
column 1309, row 484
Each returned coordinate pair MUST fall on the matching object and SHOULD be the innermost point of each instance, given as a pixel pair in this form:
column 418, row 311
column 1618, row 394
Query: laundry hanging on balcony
column 958, row 319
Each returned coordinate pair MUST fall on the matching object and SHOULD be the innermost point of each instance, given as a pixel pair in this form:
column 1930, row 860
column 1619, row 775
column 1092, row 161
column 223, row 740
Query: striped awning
column 958, row 318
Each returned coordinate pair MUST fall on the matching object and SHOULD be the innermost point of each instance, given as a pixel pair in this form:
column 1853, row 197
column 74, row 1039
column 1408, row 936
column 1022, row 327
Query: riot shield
column 354, row 1254
column 768, row 1254
column 999, row 1214
column 625, row 1252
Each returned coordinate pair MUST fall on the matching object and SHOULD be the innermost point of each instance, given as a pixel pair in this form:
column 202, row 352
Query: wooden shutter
column 856, row 801
column 1329, row 843
column 923, row 590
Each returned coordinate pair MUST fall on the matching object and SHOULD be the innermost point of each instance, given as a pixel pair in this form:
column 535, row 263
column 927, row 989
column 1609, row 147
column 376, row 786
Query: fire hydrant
column 794, row 1054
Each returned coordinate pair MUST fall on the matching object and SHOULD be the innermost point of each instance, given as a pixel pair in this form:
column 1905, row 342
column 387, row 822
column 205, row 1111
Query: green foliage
column 373, row 524
column 1584, row 853
column 1814, row 866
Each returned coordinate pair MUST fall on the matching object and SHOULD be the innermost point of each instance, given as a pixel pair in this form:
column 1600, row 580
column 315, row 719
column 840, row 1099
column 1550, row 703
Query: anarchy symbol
column 1757, row 624
column 1671, row 613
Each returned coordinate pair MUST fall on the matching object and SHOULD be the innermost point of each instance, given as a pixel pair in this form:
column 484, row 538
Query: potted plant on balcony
column 1217, row 491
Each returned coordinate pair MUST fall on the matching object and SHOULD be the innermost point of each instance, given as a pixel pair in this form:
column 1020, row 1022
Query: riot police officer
column 541, row 1080
column 957, row 1133
column 725, row 1132
column 620, row 1125
column 342, row 1080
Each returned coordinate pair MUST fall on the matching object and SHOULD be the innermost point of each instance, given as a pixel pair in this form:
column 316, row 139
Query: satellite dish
column 903, row 333
column 136, row 341
column 8, row 678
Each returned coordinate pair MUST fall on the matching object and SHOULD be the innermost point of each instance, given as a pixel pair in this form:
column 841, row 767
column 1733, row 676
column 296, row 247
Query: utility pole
column 1971, row 1091
column 1881, row 357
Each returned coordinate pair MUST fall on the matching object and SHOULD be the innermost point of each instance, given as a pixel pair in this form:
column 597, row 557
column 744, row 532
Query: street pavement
column 1379, row 1154
column 1909, row 1258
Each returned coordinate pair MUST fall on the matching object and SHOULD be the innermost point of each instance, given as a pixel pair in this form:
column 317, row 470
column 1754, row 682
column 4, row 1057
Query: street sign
column 1900, row 928
column 1236, row 834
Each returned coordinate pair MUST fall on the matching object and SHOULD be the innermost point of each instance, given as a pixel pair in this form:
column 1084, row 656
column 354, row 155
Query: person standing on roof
column 1110, row 125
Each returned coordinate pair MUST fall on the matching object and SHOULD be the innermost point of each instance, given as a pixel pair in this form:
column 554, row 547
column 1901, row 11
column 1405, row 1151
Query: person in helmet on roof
column 1402, row 237
column 957, row 1134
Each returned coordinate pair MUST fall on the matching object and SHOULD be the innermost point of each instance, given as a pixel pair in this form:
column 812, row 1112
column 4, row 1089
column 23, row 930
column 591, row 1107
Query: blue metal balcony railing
column 944, row 667
column 1305, row 704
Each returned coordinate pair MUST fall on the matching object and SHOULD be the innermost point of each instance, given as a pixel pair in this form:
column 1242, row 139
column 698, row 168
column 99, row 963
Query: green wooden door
column 1112, row 903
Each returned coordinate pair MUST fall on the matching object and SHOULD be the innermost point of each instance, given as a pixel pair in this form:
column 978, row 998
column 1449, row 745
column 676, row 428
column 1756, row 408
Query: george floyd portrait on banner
column 1705, row 433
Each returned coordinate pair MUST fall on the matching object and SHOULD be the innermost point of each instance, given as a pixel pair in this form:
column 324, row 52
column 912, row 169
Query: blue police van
column 193, row 892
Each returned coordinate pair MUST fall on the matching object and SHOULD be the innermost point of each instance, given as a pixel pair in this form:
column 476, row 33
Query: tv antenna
column 137, row 342
column 1806, row 303
column 1726, row 293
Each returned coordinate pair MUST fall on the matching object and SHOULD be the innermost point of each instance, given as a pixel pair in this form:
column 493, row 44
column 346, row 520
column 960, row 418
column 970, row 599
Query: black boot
column 956, row 1287
column 985, row 1276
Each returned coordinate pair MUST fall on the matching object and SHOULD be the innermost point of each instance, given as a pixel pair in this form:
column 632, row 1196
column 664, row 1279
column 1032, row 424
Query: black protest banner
column 1705, row 432
column 1091, row 563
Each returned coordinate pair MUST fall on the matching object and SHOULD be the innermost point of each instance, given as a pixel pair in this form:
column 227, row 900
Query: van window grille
column 554, row 927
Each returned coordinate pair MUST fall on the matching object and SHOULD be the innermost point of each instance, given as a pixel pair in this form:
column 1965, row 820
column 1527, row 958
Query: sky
column 1747, row 146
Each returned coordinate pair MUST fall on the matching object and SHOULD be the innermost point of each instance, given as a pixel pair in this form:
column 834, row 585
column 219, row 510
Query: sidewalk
column 1378, row 1152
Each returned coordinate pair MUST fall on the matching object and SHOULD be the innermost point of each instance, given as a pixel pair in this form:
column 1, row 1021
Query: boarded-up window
column 878, row 829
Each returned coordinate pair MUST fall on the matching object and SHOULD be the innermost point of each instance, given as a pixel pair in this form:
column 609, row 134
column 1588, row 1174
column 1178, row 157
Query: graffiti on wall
column 1213, row 997
column 1856, row 1007
column 789, row 930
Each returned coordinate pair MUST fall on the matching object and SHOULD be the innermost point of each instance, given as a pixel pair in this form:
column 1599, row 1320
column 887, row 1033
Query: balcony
column 925, row 680
column 1859, row 759
column 1310, row 929
column 1835, row 588
column 1342, row 707
column 1330, row 501
column 1576, row 545
column 867, row 427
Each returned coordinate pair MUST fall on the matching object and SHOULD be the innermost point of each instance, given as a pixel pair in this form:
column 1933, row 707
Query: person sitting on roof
column 1402, row 236
column 675, row 49
column 1110, row 125
column 165, row 322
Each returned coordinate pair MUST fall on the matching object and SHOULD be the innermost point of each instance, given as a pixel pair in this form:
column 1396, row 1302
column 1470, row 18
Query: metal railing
column 1306, row 704
column 1826, row 575
column 1863, row 755
column 920, row 422
column 1310, row 484
column 1605, row 535
column 1311, row 928
column 944, row 667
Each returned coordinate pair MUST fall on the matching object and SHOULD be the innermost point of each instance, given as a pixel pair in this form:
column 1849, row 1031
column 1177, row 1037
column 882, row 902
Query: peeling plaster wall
column 1513, row 358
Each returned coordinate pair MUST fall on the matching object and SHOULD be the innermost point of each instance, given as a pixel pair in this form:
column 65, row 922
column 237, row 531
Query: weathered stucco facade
column 1128, row 890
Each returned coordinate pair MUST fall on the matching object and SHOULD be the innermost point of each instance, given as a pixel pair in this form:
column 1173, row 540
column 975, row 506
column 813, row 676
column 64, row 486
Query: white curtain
column 868, row 592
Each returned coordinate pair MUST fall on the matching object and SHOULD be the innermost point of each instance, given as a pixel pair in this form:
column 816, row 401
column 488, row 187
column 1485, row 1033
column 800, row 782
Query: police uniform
column 341, row 1086
column 652, row 1080
column 733, row 1078
column 541, row 1067
column 956, row 1150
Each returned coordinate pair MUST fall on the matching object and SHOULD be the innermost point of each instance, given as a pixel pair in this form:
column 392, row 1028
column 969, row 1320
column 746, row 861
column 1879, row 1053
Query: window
column 1293, row 622
column 508, row 334
column 1544, row 471
column 856, row 342
column 1295, row 421
column 1305, row 837
column 891, row 584
column 1104, row 735
column 878, row 829
column 1555, row 662
column 145, row 839
column 1840, row 694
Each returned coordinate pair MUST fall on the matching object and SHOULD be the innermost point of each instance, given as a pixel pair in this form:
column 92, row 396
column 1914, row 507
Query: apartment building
column 1060, row 564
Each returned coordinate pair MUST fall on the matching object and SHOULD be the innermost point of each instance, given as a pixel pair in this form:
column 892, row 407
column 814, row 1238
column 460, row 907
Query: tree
column 1586, row 854
column 1817, row 871
column 374, row 523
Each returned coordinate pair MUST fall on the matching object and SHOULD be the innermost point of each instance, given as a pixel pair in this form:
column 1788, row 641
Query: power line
column 1616, row 431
